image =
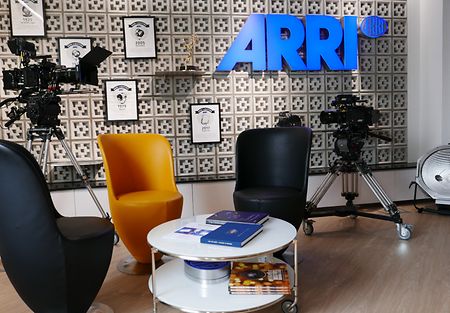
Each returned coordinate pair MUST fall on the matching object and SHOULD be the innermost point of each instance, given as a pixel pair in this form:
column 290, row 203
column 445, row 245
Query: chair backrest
column 273, row 157
column 137, row 162
column 30, row 242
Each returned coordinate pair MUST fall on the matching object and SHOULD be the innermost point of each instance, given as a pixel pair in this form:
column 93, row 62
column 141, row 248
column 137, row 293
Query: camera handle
column 379, row 136
column 46, row 134
column 6, row 101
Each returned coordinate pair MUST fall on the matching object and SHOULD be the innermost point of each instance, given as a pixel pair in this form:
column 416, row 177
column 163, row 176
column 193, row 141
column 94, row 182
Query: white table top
column 276, row 234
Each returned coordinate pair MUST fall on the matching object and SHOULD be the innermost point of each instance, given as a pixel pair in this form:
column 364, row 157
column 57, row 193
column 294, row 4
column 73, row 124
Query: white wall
column 208, row 197
column 78, row 202
column 446, row 74
column 428, row 76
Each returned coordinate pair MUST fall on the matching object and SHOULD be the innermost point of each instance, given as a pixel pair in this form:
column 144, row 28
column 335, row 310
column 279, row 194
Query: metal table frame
column 294, row 286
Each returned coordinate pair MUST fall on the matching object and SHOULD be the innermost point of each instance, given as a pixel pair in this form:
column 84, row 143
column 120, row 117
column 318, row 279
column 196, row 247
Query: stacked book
column 259, row 279
column 232, row 234
column 243, row 217
column 237, row 227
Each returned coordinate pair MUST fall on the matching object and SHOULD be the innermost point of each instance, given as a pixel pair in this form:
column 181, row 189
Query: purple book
column 243, row 217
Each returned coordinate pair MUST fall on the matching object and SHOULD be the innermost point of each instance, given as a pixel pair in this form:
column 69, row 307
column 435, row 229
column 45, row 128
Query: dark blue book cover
column 232, row 234
column 225, row 216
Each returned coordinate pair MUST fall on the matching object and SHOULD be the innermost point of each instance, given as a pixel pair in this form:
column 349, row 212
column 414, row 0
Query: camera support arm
column 15, row 115
column 379, row 136
column 15, row 112
column 6, row 101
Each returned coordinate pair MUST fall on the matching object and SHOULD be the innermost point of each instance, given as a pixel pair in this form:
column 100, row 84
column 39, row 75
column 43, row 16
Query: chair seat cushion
column 83, row 227
column 136, row 213
column 281, row 202
column 268, row 194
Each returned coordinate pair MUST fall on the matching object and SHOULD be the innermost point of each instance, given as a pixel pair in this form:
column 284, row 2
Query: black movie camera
column 348, row 112
column 287, row 119
column 354, row 120
column 39, row 83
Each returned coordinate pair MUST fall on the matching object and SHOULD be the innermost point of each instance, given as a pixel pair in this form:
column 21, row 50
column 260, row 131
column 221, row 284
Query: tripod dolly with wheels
column 349, row 171
column 350, row 136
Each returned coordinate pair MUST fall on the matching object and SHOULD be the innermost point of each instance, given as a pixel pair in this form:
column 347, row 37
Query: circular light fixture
column 433, row 174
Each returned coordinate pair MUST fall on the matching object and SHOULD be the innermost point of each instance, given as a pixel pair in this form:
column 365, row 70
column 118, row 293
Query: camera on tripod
column 35, row 76
column 348, row 112
column 39, row 83
column 39, row 89
column 354, row 120
column 287, row 119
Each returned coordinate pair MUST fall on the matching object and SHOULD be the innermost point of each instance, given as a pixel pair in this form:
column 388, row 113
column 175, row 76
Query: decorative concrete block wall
column 248, row 99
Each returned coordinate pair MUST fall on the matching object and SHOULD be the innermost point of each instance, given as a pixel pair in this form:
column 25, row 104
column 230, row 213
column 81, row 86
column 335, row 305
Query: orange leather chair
column 141, row 187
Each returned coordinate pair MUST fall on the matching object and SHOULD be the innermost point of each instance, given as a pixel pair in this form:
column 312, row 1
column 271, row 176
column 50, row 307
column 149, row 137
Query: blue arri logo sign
column 267, row 41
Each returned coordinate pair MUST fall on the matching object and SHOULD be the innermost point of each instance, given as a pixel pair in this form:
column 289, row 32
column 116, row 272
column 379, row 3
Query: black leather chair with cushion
column 57, row 264
column 272, row 172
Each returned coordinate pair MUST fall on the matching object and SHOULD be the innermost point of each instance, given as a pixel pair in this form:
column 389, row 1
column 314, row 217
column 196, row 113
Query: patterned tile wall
column 247, row 99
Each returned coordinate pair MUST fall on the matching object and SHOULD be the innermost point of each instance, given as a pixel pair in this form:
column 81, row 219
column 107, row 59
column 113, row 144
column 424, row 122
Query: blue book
column 248, row 217
column 232, row 234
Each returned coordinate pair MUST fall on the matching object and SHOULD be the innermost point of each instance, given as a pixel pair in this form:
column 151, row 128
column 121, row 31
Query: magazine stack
column 259, row 279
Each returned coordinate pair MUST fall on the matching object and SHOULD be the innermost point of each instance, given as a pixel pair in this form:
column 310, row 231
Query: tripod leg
column 321, row 190
column 403, row 230
column 29, row 140
column 43, row 156
column 308, row 228
column 80, row 172
column 388, row 205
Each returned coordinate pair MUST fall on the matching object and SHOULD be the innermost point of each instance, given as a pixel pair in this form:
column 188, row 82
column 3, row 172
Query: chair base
column 98, row 307
column 130, row 266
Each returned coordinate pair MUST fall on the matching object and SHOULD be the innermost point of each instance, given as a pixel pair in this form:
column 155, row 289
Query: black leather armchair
column 272, row 172
column 57, row 264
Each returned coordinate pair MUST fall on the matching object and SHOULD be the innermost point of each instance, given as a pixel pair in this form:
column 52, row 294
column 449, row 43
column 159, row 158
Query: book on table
column 191, row 232
column 246, row 217
column 259, row 278
column 232, row 234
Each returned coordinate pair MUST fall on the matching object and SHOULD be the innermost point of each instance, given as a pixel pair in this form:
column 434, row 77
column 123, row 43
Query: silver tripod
column 350, row 171
column 45, row 133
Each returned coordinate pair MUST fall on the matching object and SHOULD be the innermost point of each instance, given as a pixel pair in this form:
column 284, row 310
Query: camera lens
column 330, row 116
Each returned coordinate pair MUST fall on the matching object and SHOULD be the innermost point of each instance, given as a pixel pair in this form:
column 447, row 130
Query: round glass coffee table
column 171, row 286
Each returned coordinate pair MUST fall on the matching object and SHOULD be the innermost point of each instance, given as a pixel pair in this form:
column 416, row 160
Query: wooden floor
column 348, row 265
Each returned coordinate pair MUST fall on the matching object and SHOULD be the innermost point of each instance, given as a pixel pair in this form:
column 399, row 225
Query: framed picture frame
column 27, row 18
column 139, row 37
column 205, row 123
column 121, row 100
column 72, row 49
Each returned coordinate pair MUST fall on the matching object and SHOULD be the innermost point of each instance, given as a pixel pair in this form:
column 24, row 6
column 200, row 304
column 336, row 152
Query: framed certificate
column 205, row 123
column 27, row 18
column 121, row 100
column 72, row 49
column 139, row 36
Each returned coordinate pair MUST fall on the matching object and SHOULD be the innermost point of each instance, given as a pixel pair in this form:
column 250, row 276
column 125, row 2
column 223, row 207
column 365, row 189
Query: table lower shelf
column 174, row 288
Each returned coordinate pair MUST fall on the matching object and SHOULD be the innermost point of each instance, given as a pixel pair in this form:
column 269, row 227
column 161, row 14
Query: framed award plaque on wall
column 27, row 18
column 139, row 37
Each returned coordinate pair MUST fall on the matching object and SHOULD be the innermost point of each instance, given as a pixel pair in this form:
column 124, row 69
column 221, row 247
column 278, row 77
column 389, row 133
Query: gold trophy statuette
column 189, row 45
